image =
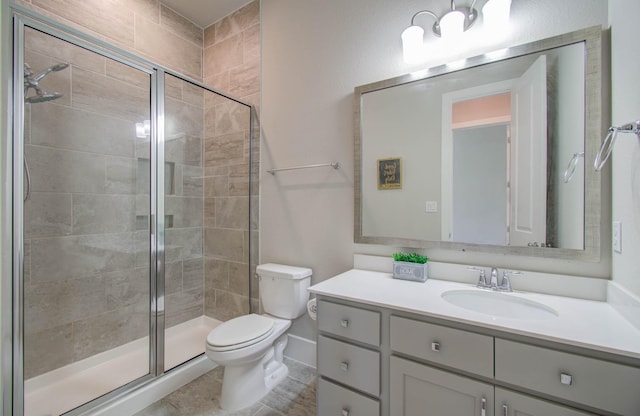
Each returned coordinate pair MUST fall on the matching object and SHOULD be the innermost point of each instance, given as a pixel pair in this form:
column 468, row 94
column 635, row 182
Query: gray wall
column 314, row 54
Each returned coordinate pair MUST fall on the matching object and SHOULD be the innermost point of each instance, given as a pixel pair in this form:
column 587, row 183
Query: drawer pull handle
column 344, row 323
column 435, row 346
column 483, row 407
column 505, row 410
column 566, row 379
column 345, row 412
column 344, row 366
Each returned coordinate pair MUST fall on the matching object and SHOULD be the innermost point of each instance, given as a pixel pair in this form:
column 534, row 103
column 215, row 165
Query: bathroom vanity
column 390, row 347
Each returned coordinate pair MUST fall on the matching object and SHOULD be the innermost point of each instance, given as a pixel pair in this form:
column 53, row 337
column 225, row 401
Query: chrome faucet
column 502, row 285
column 493, row 283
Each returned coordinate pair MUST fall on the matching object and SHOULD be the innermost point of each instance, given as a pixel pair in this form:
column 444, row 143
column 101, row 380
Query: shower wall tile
column 223, row 243
column 172, row 87
column 238, row 21
column 70, row 257
column 47, row 214
column 102, row 332
column 194, row 95
column 47, row 350
column 182, row 119
column 121, row 175
column 62, row 51
column 251, row 43
column 183, row 306
column 228, row 305
column 128, row 74
column 186, row 150
column 239, row 278
column 216, row 186
column 224, row 149
column 173, row 277
column 187, row 212
column 54, row 170
column 193, row 274
column 223, row 55
column 127, row 288
column 192, row 181
column 181, row 26
column 98, row 93
column 232, row 212
column 183, row 243
column 216, row 275
column 62, row 127
column 49, row 304
column 156, row 41
column 230, row 118
column 92, row 13
column 245, row 80
column 97, row 214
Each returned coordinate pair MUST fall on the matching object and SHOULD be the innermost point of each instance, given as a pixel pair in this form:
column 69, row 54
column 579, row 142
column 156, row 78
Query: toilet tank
column 283, row 289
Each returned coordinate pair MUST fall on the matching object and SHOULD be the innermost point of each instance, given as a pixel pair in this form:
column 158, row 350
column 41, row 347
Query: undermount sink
column 498, row 304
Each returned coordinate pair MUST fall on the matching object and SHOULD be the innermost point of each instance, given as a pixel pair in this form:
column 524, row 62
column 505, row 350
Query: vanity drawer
column 590, row 381
column 349, row 322
column 463, row 350
column 348, row 364
column 334, row 400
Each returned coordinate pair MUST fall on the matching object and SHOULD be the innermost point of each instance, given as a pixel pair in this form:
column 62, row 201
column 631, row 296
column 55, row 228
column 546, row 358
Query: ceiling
column 205, row 12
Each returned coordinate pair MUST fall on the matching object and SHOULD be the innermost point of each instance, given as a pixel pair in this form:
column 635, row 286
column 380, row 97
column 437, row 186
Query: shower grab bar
column 571, row 167
column 334, row 165
column 607, row 144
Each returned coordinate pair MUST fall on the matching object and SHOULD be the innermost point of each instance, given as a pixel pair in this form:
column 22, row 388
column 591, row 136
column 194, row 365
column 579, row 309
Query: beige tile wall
column 144, row 27
column 231, row 64
column 79, row 180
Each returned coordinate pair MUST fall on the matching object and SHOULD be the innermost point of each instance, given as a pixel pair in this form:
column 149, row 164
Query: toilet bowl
column 251, row 347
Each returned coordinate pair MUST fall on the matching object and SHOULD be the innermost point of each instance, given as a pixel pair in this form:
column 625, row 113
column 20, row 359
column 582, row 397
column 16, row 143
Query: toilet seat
column 240, row 332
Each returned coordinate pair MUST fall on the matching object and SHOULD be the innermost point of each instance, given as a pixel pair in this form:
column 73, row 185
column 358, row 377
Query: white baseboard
column 150, row 393
column 301, row 349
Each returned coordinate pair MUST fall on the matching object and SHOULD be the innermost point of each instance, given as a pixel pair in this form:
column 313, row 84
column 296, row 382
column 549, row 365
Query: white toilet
column 251, row 346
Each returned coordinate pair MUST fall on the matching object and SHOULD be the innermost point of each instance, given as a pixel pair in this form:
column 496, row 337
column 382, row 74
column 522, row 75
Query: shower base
column 68, row 387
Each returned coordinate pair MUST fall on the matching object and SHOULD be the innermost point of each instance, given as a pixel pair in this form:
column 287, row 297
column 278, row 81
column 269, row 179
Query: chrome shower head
column 42, row 97
column 53, row 68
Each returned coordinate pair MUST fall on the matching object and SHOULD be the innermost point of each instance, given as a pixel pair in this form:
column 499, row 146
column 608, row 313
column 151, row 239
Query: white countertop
column 583, row 323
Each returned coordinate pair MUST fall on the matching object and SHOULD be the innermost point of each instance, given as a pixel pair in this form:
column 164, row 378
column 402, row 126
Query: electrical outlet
column 431, row 206
column 616, row 236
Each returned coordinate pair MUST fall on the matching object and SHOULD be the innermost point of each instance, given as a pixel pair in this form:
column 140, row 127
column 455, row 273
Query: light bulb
column 495, row 14
column 412, row 44
column 452, row 25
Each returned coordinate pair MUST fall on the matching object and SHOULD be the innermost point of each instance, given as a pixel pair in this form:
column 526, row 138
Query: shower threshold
column 68, row 387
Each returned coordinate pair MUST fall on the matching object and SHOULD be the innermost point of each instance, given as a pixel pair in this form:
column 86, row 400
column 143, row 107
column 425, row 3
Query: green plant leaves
column 410, row 258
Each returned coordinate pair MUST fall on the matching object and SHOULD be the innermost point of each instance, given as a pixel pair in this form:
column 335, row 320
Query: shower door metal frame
column 13, row 349
column 21, row 20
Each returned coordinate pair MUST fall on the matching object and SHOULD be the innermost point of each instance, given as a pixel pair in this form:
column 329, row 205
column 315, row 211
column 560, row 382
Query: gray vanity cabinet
column 375, row 361
column 510, row 403
column 418, row 390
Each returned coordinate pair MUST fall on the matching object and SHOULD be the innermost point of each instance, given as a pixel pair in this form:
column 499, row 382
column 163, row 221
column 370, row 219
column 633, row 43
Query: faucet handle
column 482, row 280
column 505, row 285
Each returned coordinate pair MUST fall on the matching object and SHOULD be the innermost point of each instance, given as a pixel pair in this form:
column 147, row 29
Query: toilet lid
column 241, row 331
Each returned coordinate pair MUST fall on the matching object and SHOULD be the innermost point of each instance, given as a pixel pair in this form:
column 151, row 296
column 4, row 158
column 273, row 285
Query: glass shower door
column 87, row 213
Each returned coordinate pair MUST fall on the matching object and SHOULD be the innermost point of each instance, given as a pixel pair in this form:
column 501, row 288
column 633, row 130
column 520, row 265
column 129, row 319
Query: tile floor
column 295, row 396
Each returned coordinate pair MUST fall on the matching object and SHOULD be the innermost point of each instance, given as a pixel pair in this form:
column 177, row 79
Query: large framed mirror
column 491, row 154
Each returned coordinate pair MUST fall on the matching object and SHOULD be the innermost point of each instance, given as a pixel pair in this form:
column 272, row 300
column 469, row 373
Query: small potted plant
column 410, row 266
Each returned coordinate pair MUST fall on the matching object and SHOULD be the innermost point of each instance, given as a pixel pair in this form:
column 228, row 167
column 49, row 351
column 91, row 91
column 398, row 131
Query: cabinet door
column 509, row 403
column 419, row 390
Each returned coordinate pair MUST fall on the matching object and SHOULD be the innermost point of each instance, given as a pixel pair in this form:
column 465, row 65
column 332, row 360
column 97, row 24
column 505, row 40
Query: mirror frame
column 594, row 126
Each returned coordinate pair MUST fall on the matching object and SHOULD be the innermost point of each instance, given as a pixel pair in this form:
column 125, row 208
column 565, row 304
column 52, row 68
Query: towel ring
column 607, row 144
column 571, row 167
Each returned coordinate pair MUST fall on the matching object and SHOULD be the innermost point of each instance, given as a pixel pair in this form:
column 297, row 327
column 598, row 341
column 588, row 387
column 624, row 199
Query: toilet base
column 244, row 385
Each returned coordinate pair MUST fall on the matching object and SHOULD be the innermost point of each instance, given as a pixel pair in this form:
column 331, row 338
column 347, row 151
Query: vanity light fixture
column 452, row 25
